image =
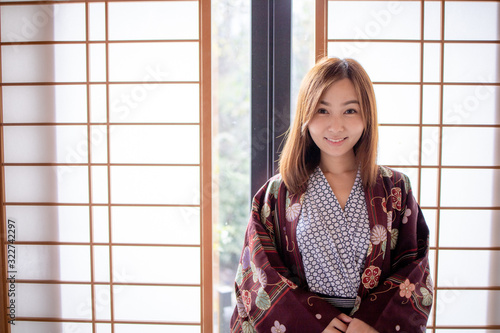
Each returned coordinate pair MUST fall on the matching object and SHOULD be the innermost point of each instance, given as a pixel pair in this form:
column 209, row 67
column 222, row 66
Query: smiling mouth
column 336, row 140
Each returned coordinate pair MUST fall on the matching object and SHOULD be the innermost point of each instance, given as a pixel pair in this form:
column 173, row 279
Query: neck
column 338, row 165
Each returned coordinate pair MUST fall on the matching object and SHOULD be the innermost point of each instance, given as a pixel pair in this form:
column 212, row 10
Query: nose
column 336, row 124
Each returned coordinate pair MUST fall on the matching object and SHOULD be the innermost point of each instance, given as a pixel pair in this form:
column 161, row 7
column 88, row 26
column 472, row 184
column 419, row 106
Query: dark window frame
column 270, row 86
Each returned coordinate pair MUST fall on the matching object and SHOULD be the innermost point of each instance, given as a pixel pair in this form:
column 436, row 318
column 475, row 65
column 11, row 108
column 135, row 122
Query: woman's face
column 337, row 124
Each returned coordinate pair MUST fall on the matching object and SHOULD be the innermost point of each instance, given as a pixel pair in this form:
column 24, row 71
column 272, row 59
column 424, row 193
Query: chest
column 341, row 186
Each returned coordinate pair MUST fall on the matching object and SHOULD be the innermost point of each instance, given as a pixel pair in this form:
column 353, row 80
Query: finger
column 339, row 325
column 345, row 318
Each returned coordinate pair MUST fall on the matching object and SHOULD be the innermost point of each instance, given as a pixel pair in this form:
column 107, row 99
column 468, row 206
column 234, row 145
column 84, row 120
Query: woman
column 335, row 242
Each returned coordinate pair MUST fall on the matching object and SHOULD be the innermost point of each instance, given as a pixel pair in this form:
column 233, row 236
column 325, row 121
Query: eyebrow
column 354, row 101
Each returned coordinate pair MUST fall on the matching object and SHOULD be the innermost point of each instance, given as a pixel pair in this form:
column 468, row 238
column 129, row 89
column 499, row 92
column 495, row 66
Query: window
column 106, row 166
column 106, row 148
column 435, row 68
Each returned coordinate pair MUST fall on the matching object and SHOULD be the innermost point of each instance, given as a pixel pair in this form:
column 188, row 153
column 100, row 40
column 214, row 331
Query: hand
column 338, row 324
column 359, row 326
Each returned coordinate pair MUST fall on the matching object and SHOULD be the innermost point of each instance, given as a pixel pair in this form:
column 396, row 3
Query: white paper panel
column 466, row 330
column 428, row 188
column 454, row 308
column 153, row 20
column 50, row 327
column 432, row 62
column 398, row 104
column 64, row 22
column 103, row 328
column 98, row 103
column 102, row 302
column 44, row 63
column 175, row 304
column 398, row 145
column 99, row 184
column 385, row 62
column 430, row 216
column 97, row 21
column 469, row 187
column 63, row 184
column 168, row 144
column 100, row 218
column 471, row 146
column 45, row 104
column 374, row 20
column 101, row 263
column 46, row 144
column 484, row 68
column 50, row 223
column 133, row 328
column 99, row 144
column 97, row 62
column 471, row 20
column 173, row 225
column 431, row 104
column 155, row 185
column 484, row 264
column 53, row 262
column 432, row 20
column 176, row 265
column 455, row 229
column 476, row 104
column 153, row 62
column 68, row 301
column 430, row 145
column 149, row 103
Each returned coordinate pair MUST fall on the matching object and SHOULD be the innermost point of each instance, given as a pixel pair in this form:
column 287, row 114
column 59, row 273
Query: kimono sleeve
column 267, row 299
column 401, row 300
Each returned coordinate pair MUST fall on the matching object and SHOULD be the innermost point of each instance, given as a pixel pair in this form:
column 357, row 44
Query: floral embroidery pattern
column 263, row 301
column 264, row 214
column 427, row 296
column 247, row 327
column 357, row 303
column 241, row 307
column 407, row 213
column 396, row 198
column 379, row 234
column 288, row 282
column 385, row 172
column 246, row 297
column 406, row 289
column 389, row 220
column 394, row 238
column 245, row 259
column 370, row 277
column 278, row 328
column 293, row 212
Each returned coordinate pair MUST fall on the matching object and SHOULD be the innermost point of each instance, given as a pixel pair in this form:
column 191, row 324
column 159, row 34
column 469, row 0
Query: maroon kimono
column 395, row 294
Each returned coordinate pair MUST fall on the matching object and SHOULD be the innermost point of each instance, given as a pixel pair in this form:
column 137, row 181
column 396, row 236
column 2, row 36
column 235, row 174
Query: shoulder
column 390, row 178
column 271, row 188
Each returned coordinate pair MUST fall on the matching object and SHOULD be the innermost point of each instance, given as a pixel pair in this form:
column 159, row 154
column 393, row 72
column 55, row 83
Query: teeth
column 336, row 140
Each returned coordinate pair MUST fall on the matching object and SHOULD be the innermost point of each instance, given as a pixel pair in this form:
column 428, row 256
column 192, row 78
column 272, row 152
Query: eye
column 322, row 111
column 351, row 111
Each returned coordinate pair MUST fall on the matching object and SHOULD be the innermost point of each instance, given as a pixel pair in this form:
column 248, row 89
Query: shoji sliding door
column 435, row 67
column 106, row 166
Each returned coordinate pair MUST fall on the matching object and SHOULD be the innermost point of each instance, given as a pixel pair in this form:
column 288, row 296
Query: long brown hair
column 300, row 155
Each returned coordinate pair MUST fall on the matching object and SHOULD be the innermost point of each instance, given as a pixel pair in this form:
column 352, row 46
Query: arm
column 403, row 298
column 266, row 295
